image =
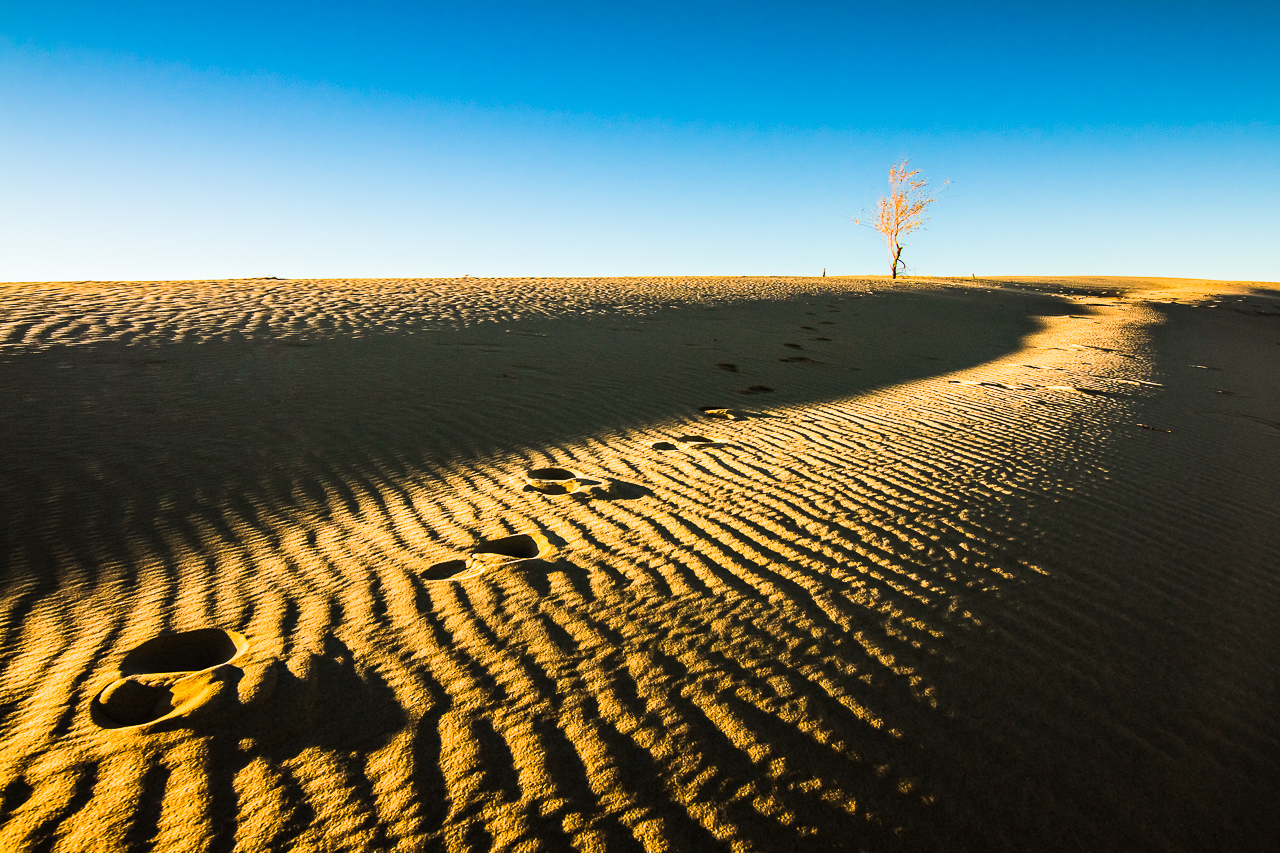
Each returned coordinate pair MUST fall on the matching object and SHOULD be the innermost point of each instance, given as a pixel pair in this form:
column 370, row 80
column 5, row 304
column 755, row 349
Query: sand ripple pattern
column 826, row 630
column 39, row 315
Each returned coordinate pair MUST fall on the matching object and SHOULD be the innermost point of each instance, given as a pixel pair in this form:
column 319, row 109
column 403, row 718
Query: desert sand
column 684, row 564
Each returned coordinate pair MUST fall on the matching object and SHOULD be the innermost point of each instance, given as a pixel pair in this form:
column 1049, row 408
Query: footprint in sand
column 756, row 389
column 169, row 677
column 1098, row 392
column 553, row 481
column 486, row 554
column 687, row 443
column 449, row 570
column 508, row 551
column 721, row 413
column 566, row 481
column 724, row 365
column 698, row 442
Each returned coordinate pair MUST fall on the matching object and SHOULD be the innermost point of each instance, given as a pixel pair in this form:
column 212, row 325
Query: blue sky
column 163, row 140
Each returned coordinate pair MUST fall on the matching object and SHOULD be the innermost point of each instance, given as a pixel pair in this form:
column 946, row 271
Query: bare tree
column 901, row 211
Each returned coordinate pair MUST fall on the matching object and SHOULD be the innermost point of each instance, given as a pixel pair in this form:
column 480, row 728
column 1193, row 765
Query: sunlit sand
column 655, row 564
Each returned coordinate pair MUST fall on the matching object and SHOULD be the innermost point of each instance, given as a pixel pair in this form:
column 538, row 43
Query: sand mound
column 993, row 569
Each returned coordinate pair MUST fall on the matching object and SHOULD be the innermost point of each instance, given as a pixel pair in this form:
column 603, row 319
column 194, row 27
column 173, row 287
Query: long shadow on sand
column 96, row 433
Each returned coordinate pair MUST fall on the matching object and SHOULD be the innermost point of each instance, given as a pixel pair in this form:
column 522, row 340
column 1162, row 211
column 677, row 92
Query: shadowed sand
column 640, row 564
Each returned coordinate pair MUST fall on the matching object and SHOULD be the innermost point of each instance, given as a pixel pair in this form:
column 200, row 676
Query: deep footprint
column 167, row 677
column 446, row 571
column 189, row 651
column 522, row 546
column 553, row 481
column 129, row 703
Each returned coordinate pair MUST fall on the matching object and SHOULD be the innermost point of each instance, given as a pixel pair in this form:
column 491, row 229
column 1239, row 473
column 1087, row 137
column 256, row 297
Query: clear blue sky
column 191, row 140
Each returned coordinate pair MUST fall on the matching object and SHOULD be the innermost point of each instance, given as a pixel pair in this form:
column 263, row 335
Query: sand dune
column 640, row 564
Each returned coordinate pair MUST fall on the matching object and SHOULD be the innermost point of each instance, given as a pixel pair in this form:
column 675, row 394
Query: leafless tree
column 901, row 211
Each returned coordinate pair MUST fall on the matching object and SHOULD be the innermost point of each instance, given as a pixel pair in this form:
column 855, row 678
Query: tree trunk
column 897, row 256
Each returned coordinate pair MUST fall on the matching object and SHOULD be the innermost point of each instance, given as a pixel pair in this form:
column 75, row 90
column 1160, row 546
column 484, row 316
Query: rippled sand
column 986, row 565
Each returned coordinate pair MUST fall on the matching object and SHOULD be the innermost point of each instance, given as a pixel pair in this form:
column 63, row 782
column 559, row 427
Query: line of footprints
column 170, row 680
column 173, row 678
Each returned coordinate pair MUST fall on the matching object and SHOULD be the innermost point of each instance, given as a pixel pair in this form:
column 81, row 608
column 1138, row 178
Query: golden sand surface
column 684, row 564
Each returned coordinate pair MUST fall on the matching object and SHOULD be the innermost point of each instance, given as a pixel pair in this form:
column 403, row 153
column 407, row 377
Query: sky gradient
column 158, row 140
